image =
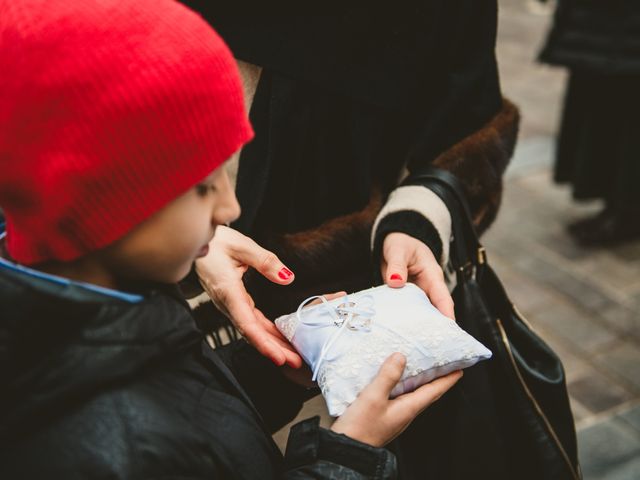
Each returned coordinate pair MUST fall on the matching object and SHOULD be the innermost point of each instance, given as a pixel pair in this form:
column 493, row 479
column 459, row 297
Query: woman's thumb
column 395, row 270
column 390, row 374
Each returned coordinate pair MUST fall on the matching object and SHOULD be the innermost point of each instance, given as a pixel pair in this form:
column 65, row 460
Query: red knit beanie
column 109, row 110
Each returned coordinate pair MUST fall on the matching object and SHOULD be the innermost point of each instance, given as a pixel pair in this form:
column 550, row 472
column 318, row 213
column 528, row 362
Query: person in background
column 598, row 150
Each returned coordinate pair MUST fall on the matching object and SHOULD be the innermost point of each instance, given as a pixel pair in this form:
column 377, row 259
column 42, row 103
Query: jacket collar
column 60, row 338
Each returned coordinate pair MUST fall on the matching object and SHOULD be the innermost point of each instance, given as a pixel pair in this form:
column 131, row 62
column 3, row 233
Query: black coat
column 599, row 36
column 97, row 387
column 349, row 96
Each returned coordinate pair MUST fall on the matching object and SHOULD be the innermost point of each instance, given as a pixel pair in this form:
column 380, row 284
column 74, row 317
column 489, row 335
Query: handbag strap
column 467, row 252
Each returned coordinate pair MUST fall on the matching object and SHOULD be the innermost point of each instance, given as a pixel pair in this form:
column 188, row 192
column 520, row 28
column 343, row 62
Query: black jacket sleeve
column 314, row 452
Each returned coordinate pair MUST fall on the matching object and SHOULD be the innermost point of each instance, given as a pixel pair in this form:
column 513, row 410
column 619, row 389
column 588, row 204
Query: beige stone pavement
column 585, row 303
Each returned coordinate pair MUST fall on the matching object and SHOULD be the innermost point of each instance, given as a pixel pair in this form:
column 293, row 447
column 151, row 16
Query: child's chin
column 181, row 274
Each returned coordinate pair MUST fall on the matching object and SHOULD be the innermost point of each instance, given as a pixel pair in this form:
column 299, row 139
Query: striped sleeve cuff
column 418, row 212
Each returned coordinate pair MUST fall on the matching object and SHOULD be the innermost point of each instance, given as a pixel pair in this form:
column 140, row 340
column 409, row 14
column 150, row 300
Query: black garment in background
column 595, row 36
column 94, row 388
column 599, row 143
column 323, row 155
column 350, row 95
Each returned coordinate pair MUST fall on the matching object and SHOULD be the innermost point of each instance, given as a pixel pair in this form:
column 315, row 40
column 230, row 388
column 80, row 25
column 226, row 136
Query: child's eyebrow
column 209, row 178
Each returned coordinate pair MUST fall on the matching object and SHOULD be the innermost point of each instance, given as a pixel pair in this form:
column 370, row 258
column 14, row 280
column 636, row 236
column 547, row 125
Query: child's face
column 163, row 248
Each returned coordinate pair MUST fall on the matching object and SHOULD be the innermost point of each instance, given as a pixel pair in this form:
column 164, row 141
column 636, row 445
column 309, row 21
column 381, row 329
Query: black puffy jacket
column 100, row 386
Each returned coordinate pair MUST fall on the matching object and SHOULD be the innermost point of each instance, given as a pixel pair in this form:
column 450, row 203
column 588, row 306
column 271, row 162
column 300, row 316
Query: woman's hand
column 406, row 258
column 220, row 272
column 374, row 419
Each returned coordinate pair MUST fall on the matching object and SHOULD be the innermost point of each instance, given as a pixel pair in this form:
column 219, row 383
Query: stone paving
column 584, row 302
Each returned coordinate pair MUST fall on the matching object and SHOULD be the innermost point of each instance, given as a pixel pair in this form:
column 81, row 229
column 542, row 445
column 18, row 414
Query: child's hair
column 108, row 111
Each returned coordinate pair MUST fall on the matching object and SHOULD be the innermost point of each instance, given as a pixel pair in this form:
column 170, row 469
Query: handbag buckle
column 482, row 256
column 468, row 270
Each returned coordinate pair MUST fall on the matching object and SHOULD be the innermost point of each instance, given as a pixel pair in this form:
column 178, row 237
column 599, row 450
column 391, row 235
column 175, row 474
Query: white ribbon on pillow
column 345, row 316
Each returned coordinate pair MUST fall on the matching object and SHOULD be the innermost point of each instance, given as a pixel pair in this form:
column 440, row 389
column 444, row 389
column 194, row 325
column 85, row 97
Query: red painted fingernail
column 285, row 273
column 395, row 276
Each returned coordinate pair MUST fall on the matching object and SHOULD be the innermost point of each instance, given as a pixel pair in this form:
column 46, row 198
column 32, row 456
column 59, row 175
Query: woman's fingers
column 440, row 297
column 221, row 275
column 407, row 258
column 263, row 342
column 334, row 295
column 242, row 315
column 431, row 280
column 292, row 358
column 328, row 297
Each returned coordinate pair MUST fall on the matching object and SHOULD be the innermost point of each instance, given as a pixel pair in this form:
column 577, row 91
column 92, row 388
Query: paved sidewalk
column 585, row 303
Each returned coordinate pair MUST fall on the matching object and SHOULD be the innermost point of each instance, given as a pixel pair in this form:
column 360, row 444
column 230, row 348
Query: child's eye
column 203, row 189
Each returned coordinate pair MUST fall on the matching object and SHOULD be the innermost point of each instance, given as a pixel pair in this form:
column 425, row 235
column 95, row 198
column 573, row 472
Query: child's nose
column 227, row 211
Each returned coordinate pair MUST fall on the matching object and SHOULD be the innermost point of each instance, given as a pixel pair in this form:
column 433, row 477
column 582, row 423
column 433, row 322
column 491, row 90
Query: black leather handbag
column 508, row 417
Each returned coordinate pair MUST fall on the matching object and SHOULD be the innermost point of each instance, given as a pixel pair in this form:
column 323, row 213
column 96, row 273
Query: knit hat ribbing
column 109, row 110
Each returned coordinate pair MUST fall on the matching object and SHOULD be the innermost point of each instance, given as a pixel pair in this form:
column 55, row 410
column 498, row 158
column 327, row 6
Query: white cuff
column 421, row 200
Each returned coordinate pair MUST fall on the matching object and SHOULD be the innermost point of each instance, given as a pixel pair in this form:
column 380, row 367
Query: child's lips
column 205, row 248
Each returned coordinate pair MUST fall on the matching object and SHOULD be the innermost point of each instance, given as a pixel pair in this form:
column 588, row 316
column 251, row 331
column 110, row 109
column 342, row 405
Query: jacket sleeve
column 314, row 452
column 478, row 161
column 418, row 212
column 458, row 136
